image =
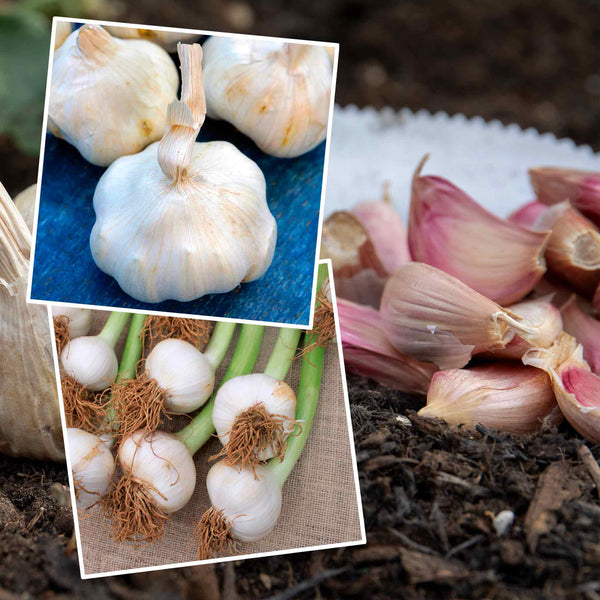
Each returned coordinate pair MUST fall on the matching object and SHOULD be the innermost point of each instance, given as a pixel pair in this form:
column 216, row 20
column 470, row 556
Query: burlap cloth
column 320, row 500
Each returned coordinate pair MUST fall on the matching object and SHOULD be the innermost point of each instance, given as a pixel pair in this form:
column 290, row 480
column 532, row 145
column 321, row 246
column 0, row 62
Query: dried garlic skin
column 108, row 96
column 165, row 39
column 30, row 422
column 62, row 32
column 276, row 93
column 206, row 234
column 25, row 202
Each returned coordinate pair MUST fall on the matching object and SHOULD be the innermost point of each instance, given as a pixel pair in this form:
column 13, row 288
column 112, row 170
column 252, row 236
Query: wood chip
column 587, row 458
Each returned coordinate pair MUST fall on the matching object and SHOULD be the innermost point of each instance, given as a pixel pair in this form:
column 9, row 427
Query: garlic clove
column 25, row 202
column 161, row 462
column 582, row 188
column 277, row 93
column 183, row 372
column 79, row 319
column 250, row 502
column 91, row 361
column 165, row 39
column 434, row 317
column 527, row 215
column 449, row 230
column 576, row 388
column 596, row 300
column 92, row 465
column 539, row 314
column 504, row 396
column 585, row 329
column 368, row 352
column 109, row 97
column 573, row 251
column 247, row 391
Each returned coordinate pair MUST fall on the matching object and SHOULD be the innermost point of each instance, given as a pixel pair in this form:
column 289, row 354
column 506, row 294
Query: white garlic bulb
column 183, row 219
column 25, row 202
column 162, row 462
column 108, row 96
column 80, row 319
column 91, row 361
column 61, row 33
column 166, row 39
column 251, row 504
column 241, row 393
column 276, row 93
column 185, row 374
column 92, row 465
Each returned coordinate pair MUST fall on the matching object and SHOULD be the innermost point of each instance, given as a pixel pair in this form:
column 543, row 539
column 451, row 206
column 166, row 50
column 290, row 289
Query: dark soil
column 430, row 494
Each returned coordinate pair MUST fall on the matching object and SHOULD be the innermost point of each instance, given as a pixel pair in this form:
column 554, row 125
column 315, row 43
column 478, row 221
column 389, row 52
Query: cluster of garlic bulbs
column 277, row 93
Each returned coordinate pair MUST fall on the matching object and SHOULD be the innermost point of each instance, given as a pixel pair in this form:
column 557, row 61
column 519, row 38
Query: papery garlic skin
column 163, row 463
column 109, row 97
column 250, row 500
column 80, row 319
column 61, row 33
column 25, row 202
column 449, row 230
column 277, row 93
column 205, row 235
column 504, row 396
column 91, row 361
column 183, row 373
column 92, row 465
column 165, row 39
column 241, row 393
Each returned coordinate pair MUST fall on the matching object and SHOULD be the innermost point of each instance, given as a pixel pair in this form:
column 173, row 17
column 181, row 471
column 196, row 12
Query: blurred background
column 534, row 62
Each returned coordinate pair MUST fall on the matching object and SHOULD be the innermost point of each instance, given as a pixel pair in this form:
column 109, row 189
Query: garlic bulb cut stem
column 200, row 429
column 92, row 465
column 91, row 360
column 30, row 423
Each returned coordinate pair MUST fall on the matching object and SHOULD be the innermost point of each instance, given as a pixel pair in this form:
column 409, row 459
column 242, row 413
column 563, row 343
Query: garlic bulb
column 30, row 423
column 61, row 32
column 25, row 202
column 79, row 319
column 276, row 93
column 109, row 97
column 163, row 464
column 182, row 219
column 92, row 465
column 91, row 361
column 186, row 376
column 241, row 394
column 250, row 503
column 166, row 39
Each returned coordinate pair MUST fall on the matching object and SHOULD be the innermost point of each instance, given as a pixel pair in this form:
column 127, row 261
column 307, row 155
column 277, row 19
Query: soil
column 430, row 493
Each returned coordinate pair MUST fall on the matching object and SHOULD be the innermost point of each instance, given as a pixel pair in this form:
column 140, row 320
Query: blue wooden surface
column 64, row 270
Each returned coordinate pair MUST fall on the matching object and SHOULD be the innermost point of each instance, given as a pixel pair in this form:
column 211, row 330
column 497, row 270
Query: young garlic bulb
column 79, row 319
column 250, row 500
column 185, row 374
column 161, row 463
column 92, row 465
column 108, row 96
column 165, row 39
column 240, row 394
column 183, row 219
column 276, row 93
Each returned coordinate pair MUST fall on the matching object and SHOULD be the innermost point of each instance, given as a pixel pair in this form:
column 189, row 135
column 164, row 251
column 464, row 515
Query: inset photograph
column 189, row 440
column 182, row 173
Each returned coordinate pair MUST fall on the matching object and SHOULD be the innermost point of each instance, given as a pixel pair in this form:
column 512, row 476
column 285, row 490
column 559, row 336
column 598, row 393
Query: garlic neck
column 294, row 54
column 95, row 43
column 184, row 117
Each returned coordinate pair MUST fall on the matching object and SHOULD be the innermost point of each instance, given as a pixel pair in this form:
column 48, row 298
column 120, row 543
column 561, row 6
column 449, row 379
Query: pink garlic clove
column 527, row 215
column 585, row 329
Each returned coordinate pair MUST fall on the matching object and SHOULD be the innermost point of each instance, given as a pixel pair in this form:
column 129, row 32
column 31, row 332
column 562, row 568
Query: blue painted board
column 64, row 270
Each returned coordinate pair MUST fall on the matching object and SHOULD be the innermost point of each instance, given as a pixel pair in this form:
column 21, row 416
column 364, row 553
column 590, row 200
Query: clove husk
column 504, row 396
column 368, row 352
column 585, row 329
column 30, row 422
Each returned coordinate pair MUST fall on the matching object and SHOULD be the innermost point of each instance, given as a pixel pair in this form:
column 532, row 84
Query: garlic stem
column 114, row 326
column 198, row 431
column 219, row 343
column 306, row 407
column 134, row 345
column 184, row 117
column 283, row 353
